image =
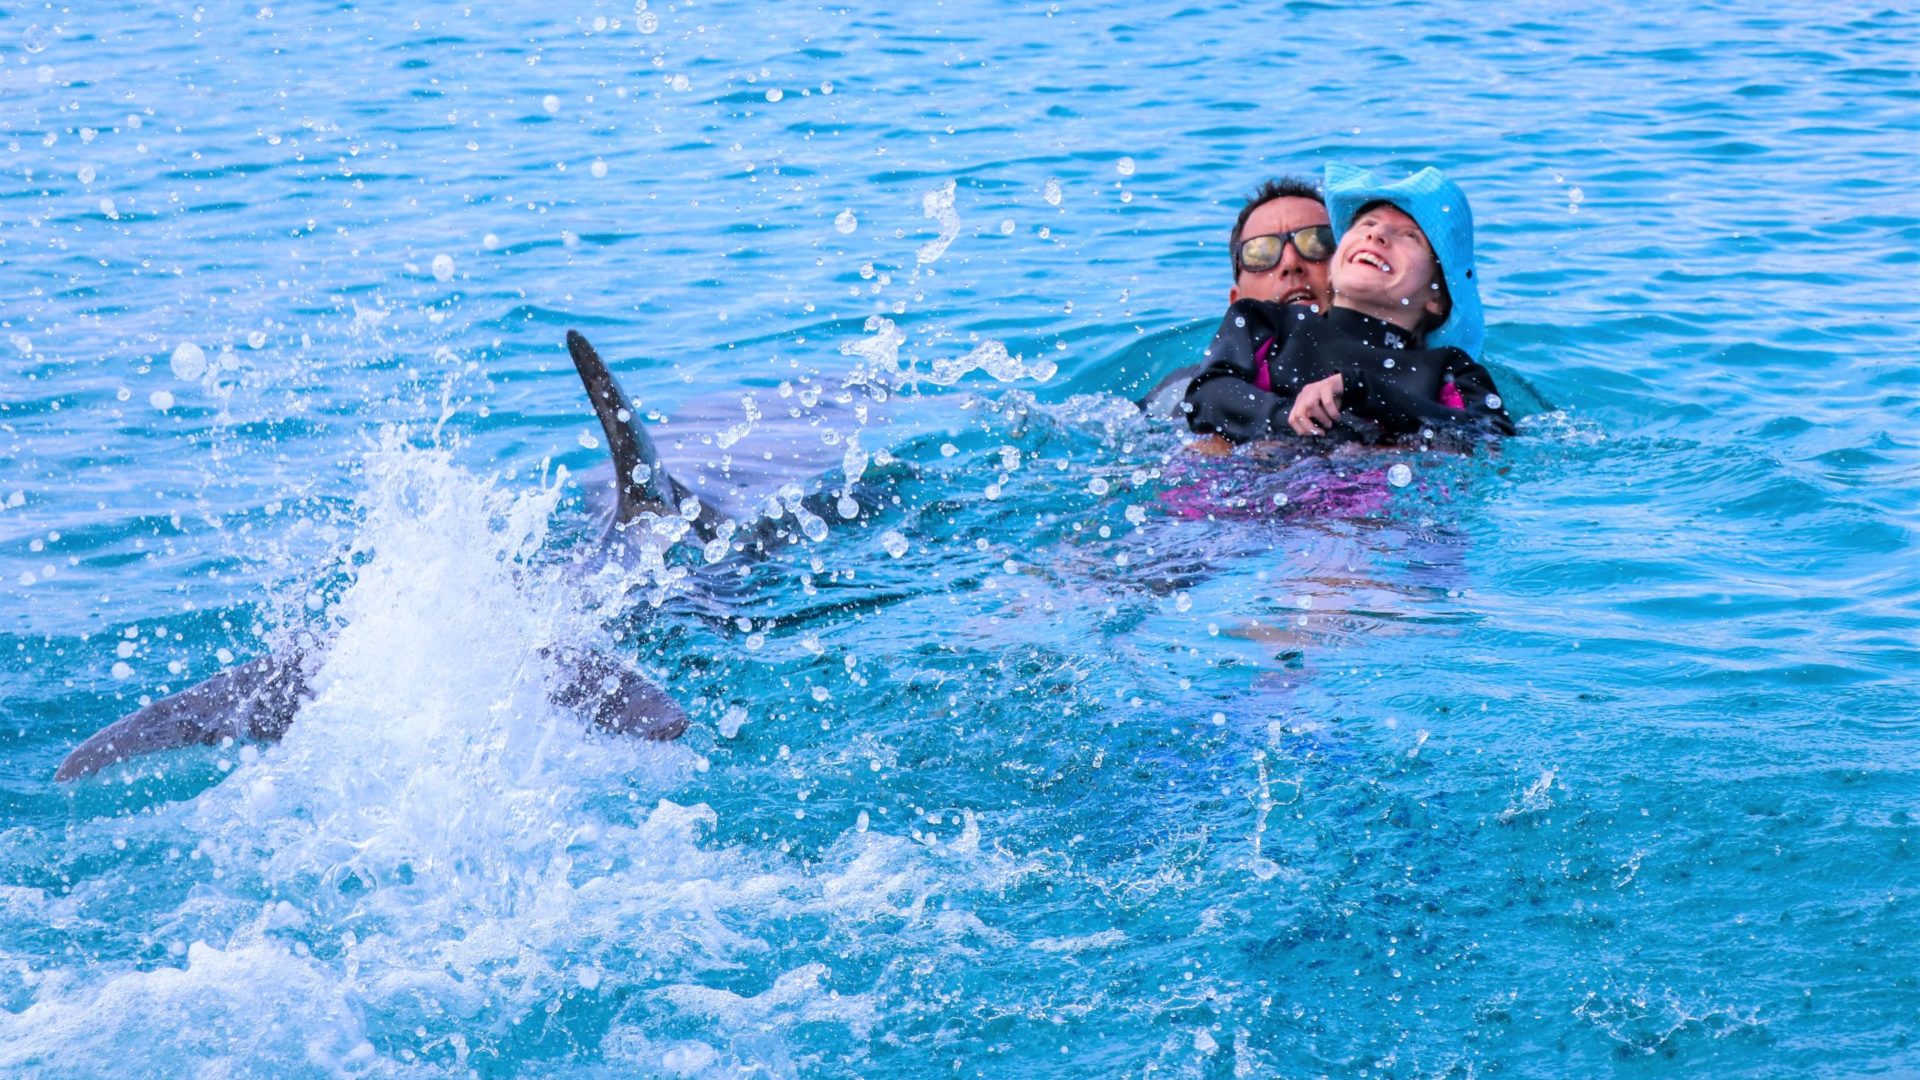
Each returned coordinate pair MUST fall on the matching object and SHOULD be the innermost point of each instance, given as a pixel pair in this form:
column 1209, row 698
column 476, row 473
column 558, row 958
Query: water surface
column 1594, row 753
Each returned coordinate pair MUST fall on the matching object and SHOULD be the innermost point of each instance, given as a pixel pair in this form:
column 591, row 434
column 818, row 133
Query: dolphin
column 258, row 700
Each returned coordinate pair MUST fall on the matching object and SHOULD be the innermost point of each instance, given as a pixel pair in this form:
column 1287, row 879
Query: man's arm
column 1222, row 399
column 1399, row 412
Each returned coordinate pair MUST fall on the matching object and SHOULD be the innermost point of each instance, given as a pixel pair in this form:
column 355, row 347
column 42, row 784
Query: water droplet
column 490, row 241
column 731, row 721
column 682, row 84
column 443, row 267
column 1007, row 227
column 844, row 222
column 588, row 440
column 160, row 399
column 1050, row 191
column 1099, row 486
column 1124, row 166
column 646, row 22
column 257, row 340
column 86, row 174
column 122, row 670
column 1183, row 602
column 847, row 507
column 598, row 169
column 894, row 543
column 1493, row 401
column 1388, row 362
column 814, row 527
column 551, row 103
column 189, row 362
column 35, row 39
column 1399, row 475
column 948, row 449
column 108, row 208
column 775, row 95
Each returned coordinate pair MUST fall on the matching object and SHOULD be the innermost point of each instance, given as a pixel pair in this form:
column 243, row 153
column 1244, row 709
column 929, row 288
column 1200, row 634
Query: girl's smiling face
column 1385, row 268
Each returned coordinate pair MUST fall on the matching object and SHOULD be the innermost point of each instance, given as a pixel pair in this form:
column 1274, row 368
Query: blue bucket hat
column 1440, row 208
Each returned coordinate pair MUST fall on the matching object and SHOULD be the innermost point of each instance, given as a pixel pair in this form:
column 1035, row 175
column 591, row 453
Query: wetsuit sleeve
column 1401, row 413
column 1222, row 399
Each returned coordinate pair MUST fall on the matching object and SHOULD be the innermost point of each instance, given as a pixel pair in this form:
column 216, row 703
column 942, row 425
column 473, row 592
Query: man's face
column 1293, row 280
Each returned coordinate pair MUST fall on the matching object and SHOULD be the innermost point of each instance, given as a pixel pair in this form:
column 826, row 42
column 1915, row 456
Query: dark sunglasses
column 1315, row 243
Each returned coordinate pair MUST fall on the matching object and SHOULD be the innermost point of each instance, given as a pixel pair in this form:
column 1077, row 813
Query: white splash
column 991, row 357
column 879, row 354
column 938, row 205
column 733, row 433
column 434, row 849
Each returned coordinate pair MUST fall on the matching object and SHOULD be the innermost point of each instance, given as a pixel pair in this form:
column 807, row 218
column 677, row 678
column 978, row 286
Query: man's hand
column 1317, row 406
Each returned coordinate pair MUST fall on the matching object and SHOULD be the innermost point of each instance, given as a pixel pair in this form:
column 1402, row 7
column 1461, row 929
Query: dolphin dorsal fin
column 642, row 482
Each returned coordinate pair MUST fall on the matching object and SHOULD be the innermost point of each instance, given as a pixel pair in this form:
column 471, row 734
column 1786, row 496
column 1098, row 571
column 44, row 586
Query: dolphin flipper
column 615, row 697
column 258, row 700
column 255, row 700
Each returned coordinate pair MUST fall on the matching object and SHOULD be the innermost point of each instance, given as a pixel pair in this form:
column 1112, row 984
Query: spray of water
column 437, row 868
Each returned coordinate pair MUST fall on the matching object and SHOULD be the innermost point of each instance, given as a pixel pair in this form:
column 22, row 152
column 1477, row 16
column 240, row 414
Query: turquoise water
column 1592, row 754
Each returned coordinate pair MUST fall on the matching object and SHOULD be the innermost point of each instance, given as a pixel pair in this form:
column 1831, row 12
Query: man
column 1280, row 247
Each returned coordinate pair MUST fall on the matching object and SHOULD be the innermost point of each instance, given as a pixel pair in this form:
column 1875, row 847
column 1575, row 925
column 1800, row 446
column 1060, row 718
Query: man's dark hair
column 1285, row 187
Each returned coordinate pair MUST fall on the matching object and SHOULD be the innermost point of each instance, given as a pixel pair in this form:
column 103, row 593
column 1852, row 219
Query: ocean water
column 1593, row 753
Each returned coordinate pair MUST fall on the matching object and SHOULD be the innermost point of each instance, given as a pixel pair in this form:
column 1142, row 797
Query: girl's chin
column 1366, row 301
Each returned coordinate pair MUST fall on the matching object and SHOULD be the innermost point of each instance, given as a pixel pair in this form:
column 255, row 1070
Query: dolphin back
column 643, row 484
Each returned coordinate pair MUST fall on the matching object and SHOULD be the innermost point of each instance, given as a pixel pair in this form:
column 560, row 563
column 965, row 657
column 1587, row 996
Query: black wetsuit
column 1390, row 385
